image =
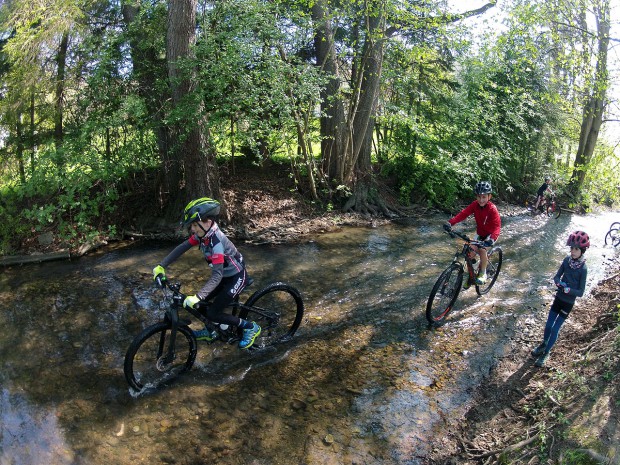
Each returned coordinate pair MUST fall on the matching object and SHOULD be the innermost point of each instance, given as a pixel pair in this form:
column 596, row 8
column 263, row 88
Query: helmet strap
column 206, row 231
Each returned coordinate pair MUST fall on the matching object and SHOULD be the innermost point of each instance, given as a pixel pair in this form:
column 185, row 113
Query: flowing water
column 364, row 381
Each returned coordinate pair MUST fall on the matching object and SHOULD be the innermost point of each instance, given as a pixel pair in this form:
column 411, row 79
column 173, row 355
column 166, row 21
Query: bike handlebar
column 163, row 283
column 454, row 234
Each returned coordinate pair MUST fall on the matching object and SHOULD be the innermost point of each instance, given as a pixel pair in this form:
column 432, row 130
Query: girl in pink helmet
column 571, row 283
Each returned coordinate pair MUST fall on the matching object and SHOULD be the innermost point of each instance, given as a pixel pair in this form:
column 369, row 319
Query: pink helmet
column 578, row 239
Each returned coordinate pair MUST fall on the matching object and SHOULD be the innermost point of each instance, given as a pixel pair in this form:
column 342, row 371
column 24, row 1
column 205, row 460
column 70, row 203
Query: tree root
column 505, row 450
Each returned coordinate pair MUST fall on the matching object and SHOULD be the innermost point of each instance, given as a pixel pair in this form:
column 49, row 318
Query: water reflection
column 364, row 381
column 30, row 435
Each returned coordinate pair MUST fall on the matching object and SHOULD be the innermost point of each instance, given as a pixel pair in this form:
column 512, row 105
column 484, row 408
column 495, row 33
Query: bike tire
column 143, row 362
column 494, row 266
column 612, row 237
column 554, row 210
column 444, row 294
column 278, row 310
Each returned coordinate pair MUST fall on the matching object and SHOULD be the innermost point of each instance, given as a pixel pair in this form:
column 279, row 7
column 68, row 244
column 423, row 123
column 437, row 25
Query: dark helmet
column 199, row 210
column 547, row 178
column 578, row 239
column 483, row 187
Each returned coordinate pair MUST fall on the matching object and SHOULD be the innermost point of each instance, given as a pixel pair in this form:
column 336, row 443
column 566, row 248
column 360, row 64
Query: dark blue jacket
column 575, row 278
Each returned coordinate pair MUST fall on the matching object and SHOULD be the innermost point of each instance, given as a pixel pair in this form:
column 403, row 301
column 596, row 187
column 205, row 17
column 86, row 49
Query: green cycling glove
column 190, row 301
column 157, row 271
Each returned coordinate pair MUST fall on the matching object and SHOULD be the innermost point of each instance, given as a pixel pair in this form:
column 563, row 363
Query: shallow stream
column 364, row 381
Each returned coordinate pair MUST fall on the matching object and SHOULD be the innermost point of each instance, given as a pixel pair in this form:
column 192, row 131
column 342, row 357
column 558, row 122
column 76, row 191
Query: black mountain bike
column 613, row 235
column 448, row 285
column 164, row 350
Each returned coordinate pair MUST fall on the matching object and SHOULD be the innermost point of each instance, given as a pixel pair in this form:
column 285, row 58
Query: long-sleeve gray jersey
column 220, row 253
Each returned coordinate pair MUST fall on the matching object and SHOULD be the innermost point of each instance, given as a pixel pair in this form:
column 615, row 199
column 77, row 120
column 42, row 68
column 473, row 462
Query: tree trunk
column 148, row 69
column 31, row 132
column 19, row 150
column 596, row 102
column 358, row 171
column 332, row 107
column 61, row 62
column 192, row 153
column 347, row 124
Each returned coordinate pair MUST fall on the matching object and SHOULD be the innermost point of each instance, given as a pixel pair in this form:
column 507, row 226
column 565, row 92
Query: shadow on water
column 364, row 381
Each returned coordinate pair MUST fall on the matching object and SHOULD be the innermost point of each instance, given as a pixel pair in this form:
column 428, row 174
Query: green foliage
column 448, row 114
column 438, row 182
column 577, row 457
column 12, row 226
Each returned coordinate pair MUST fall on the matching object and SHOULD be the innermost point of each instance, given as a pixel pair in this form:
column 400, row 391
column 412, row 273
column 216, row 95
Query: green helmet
column 199, row 210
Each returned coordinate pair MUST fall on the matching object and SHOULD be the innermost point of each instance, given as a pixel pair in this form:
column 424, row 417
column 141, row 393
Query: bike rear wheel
column 554, row 210
column 145, row 362
column 278, row 309
column 494, row 265
column 444, row 294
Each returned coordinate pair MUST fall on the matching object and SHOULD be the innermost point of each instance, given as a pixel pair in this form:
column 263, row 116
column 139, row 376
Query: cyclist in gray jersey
column 228, row 274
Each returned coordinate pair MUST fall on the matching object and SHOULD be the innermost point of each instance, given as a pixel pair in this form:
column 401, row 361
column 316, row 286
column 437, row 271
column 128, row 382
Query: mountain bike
column 165, row 350
column 548, row 206
column 448, row 285
column 613, row 235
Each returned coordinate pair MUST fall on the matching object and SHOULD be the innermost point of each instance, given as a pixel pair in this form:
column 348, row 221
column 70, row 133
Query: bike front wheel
column 494, row 265
column 149, row 361
column 612, row 237
column 554, row 210
column 278, row 309
column 444, row 294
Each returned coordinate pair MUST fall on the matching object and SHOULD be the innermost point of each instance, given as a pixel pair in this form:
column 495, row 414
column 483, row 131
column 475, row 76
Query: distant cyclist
column 228, row 273
column 542, row 191
column 488, row 226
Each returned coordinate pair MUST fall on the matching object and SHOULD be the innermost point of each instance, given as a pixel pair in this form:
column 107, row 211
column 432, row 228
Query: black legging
column 225, row 294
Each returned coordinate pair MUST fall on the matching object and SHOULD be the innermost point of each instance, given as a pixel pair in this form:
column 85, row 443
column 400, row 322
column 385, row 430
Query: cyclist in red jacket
column 488, row 226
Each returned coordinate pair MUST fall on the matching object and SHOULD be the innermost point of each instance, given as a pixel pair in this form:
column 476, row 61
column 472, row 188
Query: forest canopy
column 102, row 101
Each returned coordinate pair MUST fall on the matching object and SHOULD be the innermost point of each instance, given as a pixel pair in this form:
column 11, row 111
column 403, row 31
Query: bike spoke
column 150, row 361
column 444, row 293
column 278, row 309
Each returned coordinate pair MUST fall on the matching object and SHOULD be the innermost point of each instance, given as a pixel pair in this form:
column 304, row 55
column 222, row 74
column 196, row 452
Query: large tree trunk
column 61, row 62
column 148, row 69
column 192, row 151
column 347, row 124
column 332, row 107
column 596, row 102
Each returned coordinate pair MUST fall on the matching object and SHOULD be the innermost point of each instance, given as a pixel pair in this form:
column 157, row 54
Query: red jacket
column 487, row 218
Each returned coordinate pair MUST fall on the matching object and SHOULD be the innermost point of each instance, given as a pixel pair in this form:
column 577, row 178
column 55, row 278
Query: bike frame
column 172, row 315
column 465, row 252
column 176, row 302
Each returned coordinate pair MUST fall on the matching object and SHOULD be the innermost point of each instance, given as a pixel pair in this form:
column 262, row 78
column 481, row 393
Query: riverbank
column 567, row 412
